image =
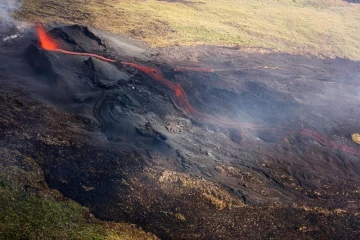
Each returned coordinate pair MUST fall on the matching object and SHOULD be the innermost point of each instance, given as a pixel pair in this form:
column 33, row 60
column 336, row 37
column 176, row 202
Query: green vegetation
column 29, row 209
column 23, row 216
column 310, row 27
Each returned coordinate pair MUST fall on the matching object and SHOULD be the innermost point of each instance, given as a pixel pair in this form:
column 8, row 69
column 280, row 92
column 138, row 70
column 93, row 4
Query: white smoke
column 7, row 8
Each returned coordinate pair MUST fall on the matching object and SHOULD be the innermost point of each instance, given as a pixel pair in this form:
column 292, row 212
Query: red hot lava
column 48, row 43
column 194, row 69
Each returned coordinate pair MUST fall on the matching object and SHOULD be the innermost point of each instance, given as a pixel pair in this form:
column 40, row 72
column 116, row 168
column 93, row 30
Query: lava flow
column 194, row 69
column 48, row 43
column 184, row 102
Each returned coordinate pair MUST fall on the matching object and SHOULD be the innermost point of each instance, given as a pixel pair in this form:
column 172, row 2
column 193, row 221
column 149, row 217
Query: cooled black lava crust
column 140, row 158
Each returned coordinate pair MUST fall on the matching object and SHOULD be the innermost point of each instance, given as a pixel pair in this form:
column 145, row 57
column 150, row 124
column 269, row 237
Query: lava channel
column 48, row 43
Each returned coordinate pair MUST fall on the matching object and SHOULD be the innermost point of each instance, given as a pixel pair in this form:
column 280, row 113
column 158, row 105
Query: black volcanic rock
column 105, row 75
column 118, row 142
column 39, row 61
column 79, row 38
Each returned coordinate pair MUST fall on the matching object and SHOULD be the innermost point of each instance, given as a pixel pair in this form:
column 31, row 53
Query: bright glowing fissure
column 48, row 43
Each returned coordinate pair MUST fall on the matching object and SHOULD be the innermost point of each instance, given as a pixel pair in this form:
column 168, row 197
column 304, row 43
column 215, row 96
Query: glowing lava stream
column 194, row 69
column 47, row 43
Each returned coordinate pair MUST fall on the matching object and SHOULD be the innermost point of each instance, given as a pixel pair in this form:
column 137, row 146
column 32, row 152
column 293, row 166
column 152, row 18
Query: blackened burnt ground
column 129, row 153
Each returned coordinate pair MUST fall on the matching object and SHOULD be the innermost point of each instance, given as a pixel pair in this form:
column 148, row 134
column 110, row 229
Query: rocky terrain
column 188, row 142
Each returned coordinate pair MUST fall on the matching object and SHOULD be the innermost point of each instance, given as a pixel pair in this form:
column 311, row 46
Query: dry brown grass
column 315, row 27
column 356, row 137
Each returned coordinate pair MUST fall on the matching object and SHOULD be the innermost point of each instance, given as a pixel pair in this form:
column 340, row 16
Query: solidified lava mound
column 258, row 147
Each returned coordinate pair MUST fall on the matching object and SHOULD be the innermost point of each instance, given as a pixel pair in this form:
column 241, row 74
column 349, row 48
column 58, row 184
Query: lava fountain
column 46, row 42
column 49, row 44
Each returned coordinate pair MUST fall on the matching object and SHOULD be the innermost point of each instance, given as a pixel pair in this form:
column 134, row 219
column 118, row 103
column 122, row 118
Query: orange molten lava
column 48, row 43
column 194, row 69
column 184, row 102
column 185, row 105
column 328, row 143
column 86, row 55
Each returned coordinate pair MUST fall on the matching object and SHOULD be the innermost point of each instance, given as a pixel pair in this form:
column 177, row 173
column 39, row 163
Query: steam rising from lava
column 7, row 7
column 48, row 43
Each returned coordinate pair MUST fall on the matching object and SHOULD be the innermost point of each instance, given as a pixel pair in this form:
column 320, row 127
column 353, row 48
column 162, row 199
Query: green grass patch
column 27, row 217
column 24, row 216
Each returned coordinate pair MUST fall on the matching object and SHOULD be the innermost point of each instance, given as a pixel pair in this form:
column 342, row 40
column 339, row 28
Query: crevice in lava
column 79, row 30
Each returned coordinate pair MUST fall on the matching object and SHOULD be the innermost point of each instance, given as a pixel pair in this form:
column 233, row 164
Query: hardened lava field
column 190, row 142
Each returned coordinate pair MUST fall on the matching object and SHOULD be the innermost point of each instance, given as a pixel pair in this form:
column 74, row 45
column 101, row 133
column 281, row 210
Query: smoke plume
column 7, row 7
